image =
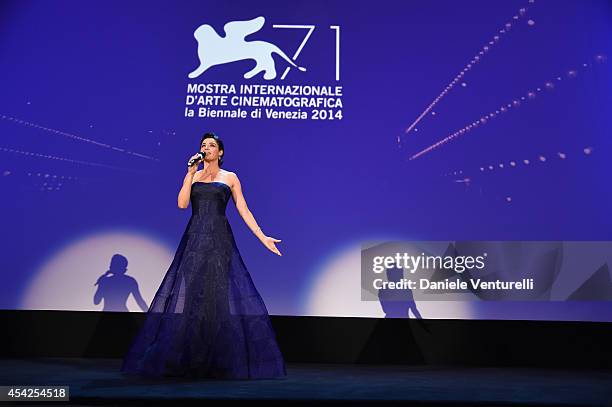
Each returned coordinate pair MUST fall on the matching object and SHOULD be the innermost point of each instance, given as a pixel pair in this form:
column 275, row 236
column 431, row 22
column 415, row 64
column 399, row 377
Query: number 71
column 310, row 29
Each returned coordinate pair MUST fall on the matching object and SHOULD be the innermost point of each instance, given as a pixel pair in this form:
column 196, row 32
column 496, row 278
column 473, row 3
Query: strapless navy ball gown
column 207, row 318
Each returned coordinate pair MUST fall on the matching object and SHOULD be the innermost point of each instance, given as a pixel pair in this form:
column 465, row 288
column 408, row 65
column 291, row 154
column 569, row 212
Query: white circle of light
column 336, row 291
column 66, row 281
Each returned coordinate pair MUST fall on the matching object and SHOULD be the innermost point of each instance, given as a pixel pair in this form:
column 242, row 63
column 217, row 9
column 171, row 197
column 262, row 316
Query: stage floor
column 98, row 381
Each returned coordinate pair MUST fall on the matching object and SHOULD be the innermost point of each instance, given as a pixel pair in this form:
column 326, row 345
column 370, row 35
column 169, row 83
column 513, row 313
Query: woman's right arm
column 185, row 192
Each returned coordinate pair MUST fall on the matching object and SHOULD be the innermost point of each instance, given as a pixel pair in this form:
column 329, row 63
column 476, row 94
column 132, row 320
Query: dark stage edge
column 343, row 340
column 99, row 382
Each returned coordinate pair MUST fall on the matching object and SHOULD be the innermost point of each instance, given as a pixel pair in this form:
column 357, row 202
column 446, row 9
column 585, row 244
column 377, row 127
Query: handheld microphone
column 200, row 157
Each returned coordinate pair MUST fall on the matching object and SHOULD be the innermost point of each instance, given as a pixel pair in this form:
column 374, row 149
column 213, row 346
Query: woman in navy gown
column 207, row 319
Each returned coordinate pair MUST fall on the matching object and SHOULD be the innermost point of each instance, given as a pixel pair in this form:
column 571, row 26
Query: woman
column 207, row 318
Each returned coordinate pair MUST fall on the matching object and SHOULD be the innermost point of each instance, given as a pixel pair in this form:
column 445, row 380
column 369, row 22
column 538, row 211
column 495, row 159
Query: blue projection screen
column 348, row 125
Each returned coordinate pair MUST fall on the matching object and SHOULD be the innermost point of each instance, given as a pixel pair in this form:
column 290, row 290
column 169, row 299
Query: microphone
column 200, row 157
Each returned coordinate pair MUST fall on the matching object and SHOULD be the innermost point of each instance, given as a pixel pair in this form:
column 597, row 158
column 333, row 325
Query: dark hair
column 219, row 142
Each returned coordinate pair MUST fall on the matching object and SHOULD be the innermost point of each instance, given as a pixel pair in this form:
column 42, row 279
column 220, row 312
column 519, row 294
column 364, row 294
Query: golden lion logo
column 216, row 50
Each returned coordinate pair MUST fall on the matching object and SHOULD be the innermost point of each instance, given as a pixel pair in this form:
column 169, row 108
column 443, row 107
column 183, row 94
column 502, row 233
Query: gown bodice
column 209, row 198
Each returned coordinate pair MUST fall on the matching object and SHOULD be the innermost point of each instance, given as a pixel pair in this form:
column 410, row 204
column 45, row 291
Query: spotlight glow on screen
column 77, row 267
column 336, row 291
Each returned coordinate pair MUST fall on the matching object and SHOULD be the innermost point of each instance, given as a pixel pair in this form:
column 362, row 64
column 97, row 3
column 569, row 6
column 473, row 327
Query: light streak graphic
column 514, row 104
column 514, row 163
column 484, row 50
column 74, row 137
column 64, row 159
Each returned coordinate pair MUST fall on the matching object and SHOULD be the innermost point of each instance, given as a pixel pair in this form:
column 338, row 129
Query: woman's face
column 211, row 148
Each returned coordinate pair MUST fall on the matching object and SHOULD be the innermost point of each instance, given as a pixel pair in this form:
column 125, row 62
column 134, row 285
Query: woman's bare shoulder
column 229, row 174
column 230, row 178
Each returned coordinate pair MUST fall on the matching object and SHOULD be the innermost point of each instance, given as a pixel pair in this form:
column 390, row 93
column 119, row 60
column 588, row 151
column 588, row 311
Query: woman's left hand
column 269, row 242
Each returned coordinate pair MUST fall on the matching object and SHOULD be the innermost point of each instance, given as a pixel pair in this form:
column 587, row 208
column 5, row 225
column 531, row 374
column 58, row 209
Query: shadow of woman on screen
column 397, row 303
column 391, row 338
column 115, row 287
